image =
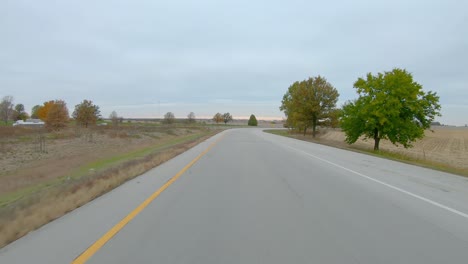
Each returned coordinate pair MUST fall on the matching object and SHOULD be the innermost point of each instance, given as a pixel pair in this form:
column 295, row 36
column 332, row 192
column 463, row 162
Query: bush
column 169, row 118
column 252, row 121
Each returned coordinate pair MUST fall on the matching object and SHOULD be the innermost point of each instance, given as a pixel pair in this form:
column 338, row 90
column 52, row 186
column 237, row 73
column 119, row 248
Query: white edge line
column 386, row 184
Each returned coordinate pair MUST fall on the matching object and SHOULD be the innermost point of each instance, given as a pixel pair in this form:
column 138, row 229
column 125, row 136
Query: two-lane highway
column 246, row 196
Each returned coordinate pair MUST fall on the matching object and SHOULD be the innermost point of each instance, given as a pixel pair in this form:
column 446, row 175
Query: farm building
column 29, row 123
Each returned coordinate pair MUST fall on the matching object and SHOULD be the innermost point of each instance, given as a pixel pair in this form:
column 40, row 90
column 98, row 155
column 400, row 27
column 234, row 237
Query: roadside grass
column 107, row 162
column 24, row 139
column 95, row 167
column 30, row 208
column 10, row 131
column 8, row 123
column 381, row 153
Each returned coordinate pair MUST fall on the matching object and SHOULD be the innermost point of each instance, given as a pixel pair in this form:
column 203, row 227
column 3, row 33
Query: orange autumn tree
column 57, row 117
column 44, row 109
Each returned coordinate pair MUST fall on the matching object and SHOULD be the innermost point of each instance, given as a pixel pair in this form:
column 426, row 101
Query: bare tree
column 169, row 118
column 191, row 117
column 227, row 117
column 6, row 108
column 114, row 118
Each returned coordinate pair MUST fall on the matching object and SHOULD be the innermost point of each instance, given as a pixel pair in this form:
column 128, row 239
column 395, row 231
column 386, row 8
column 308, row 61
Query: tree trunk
column 376, row 139
column 305, row 130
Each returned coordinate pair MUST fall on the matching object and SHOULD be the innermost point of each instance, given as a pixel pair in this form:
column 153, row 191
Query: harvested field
column 447, row 145
column 444, row 148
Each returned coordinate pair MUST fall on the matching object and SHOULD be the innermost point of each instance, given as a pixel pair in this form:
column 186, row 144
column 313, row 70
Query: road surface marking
column 462, row 214
column 88, row 253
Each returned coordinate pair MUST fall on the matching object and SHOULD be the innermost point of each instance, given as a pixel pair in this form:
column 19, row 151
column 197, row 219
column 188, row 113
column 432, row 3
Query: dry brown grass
column 445, row 145
column 7, row 131
column 22, row 166
column 444, row 148
column 25, row 215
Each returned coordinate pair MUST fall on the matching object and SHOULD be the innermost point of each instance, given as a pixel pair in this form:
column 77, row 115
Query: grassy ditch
column 29, row 208
column 381, row 153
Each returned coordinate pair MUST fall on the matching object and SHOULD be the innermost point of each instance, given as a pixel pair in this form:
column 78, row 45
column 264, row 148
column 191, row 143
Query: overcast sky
column 145, row 58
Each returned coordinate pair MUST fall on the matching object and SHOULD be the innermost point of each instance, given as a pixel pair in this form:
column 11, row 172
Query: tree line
column 54, row 113
column 390, row 105
column 56, row 116
column 227, row 117
column 10, row 111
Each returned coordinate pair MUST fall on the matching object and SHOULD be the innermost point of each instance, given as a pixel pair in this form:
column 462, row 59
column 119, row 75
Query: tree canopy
column 86, row 113
column 252, row 120
column 390, row 106
column 309, row 103
column 227, row 117
column 169, row 118
column 57, row 116
column 44, row 109
column 218, row 117
column 34, row 111
column 20, row 114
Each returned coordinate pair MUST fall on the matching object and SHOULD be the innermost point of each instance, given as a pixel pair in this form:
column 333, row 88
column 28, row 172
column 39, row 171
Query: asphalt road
column 260, row 198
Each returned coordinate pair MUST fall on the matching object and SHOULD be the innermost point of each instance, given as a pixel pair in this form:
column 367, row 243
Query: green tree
column 252, row 120
column 218, row 117
column 227, row 117
column 57, row 115
column 86, row 113
column 34, row 111
column 20, row 114
column 169, row 118
column 390, row 106
column 309, row 103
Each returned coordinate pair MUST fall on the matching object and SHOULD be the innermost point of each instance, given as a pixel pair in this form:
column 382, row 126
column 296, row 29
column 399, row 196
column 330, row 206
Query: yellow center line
column 88, row 253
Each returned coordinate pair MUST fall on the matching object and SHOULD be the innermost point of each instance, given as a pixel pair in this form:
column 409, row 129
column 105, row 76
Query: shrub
column 252, row 121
